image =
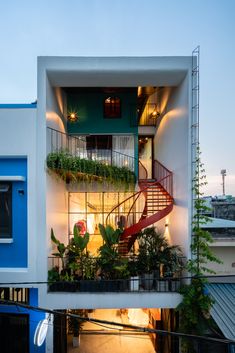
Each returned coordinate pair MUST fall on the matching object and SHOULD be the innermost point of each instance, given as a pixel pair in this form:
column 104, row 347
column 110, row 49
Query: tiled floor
column 110, row 340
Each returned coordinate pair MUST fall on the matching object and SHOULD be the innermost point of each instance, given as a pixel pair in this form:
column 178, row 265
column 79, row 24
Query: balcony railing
column 77, row 146
column 149, row 282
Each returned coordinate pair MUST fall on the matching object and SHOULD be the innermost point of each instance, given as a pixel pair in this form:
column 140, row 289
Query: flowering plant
column 81, row 226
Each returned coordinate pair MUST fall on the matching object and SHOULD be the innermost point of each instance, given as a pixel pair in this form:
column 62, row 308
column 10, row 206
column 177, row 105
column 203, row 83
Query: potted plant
column 171, row 265
column 79, row 259
column 61, row 249
column 109, row 257
column 133, row 268
column 159, row 259
column 150, row 243
column 65, row 280
column 75, row 326
column 53, row 278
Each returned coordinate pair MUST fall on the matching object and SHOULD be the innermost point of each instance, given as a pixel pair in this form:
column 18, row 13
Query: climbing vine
column 196, row 304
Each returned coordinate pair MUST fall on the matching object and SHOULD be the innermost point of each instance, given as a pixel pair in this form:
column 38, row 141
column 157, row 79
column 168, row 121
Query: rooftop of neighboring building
column 19, row 105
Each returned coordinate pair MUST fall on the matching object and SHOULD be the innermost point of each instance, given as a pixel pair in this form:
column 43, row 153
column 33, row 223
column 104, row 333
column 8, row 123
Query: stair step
column 158, row 202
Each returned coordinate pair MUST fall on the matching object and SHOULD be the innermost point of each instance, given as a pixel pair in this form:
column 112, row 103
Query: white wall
column 18, row 139
column 172, row 149
column 53, row 196
column 112, row 300
column 227, row 255
column 107, row 72
column 56, row 194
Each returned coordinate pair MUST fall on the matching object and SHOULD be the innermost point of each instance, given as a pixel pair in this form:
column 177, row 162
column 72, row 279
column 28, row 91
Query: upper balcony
column 97, row 157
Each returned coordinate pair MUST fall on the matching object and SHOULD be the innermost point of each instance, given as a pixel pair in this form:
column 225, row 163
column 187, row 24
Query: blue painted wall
column 34, row 318
column 15, row 254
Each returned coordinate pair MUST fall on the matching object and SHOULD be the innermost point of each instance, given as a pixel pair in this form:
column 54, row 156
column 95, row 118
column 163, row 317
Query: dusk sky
column 131, row 28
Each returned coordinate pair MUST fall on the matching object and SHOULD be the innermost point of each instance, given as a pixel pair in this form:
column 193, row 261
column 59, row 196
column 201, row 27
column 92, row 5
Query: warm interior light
column 138, row 317
column 155, row 114
column 72, row 117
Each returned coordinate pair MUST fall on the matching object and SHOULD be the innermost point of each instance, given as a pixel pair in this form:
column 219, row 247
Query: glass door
column 146, row 154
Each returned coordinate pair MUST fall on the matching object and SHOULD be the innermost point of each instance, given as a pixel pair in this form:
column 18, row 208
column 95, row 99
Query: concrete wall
column 18, row 139
column 52, row 197
column 227, row 255
column 111, row 72
column 112, row 300
column 90, row 109
column 56, row 193
column 172, row 149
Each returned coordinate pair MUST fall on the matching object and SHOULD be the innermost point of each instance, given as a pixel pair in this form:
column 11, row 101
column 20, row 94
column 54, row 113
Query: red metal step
column 158, row 204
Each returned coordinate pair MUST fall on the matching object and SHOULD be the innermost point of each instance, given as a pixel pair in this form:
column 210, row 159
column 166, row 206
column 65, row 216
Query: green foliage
column 73, row 168
column 195, row 308
column 61, row 248
column 80, row 242
column 111, row 264
column 79, row 260
column 155, row 251
column 75, row 325
column 110, row 236
column 53, row 274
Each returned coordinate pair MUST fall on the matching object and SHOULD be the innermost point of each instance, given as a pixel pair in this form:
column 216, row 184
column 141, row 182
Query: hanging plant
column 73, row 168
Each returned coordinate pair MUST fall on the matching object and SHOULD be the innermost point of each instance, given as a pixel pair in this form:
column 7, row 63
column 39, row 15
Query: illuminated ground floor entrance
column 102, row 338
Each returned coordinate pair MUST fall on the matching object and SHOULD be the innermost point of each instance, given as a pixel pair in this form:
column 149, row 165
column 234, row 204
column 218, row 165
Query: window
column 99, row 142
column 99, row 148
column 5, row 210
column 112, row 108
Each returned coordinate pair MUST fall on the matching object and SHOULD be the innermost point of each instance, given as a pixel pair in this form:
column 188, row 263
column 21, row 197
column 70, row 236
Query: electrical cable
column 168, row 278
column 141, row 329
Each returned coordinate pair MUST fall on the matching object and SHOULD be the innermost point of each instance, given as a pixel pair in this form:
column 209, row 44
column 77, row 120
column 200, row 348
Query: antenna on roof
column 223, row 173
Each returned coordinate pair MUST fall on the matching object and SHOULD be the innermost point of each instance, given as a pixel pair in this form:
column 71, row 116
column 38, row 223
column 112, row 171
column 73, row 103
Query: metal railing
column 20, row 295
column 141, row 283
column 143, row 173
column 77, row 146
column 135, row 203
column 164, row 176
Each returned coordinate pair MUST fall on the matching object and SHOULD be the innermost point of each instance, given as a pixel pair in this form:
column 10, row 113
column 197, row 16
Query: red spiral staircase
column 150, row 204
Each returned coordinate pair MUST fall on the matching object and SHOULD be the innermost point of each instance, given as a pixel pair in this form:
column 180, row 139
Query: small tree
column 196, row 304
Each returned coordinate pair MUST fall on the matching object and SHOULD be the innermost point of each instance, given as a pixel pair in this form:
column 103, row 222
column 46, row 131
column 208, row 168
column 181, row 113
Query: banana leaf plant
column 110, row 260
column 61, row 249
column 78, row 256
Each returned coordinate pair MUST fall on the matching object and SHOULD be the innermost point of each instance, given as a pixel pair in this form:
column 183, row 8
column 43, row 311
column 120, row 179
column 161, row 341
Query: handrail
column 65, row 133
column 161, row 171
column 144, row 168
column 77, row 145
column 168, row 170
column 165, row 181
column 139, row 192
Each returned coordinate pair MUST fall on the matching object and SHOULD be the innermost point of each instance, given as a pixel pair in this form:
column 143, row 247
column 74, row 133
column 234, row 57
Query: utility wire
column 168, row 278
column 135, row 327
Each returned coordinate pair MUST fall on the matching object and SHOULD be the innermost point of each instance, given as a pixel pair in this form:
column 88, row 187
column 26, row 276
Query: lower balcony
column 61, row 281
